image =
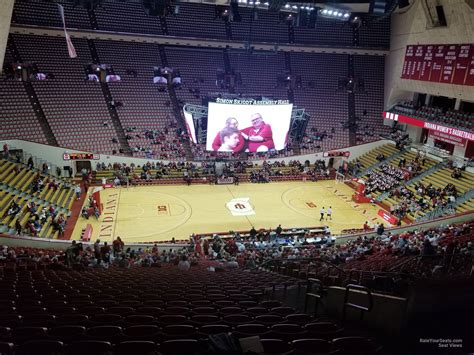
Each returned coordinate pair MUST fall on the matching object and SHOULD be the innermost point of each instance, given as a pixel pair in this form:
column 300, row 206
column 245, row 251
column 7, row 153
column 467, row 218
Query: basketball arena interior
column 236, row 177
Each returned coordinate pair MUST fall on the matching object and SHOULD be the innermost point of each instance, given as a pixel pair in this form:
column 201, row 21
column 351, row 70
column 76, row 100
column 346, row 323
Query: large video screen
column 237, row 125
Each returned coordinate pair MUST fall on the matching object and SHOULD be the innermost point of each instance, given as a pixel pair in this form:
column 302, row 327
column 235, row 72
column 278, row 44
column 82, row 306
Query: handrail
column 316, row 295
column 359, row 307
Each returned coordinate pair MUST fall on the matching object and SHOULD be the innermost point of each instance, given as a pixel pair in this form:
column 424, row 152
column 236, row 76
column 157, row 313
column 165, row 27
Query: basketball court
column 159, row 213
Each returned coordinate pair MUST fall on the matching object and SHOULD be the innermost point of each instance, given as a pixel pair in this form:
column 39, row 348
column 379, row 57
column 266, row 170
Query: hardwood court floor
column 158, row 213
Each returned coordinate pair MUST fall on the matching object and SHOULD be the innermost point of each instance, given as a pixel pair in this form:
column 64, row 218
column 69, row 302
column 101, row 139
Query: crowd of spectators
column 123, row 173
column 385, row 179
column 259, row 248
column 425, row 199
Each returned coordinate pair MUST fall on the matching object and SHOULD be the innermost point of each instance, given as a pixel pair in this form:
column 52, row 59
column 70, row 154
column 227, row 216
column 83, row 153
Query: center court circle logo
column 240, row 207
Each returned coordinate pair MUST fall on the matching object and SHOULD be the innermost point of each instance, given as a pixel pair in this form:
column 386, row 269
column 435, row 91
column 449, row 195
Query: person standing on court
column 329, row 214
column 322, row 211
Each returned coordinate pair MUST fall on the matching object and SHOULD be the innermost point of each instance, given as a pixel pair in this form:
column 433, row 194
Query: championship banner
column 447, row 64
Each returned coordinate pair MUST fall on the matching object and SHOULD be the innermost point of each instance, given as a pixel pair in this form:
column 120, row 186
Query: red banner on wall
column 447, row 138
column 470, row 71
column 418, row 62
column 450, row 131
column 462, row 64
column 427, row 63
column 438, row 59
column 388, row 217
column 448, row 64
column 450, row 57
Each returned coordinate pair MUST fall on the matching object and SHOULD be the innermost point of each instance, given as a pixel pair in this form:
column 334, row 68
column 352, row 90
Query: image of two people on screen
column 256, row 138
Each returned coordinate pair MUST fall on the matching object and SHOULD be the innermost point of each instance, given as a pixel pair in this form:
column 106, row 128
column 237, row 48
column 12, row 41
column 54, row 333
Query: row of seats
column 200, row 20
column 344, row 345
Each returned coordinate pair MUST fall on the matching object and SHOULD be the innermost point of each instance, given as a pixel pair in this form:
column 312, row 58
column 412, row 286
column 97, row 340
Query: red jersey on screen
column 264, row 131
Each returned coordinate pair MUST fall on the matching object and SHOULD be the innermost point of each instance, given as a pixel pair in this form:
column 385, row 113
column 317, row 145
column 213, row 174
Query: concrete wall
column 410, row 26
column 415, row 133
column 384, row 308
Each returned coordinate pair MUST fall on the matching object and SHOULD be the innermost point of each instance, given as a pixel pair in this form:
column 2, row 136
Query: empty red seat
column 39, row 320
column 171, row 319
column 91, row 310
column 41, row 347
column 204, row 310
column 10, row 320
column 123, row 311
column 355, row 345
column 106, row 319
column 67, row 333
column 181, row 331
column 247, row 304
column 256, row 311
column 283, row 311
column 209, row 329
column 22, row 334
column 5, row 333
column 72, row 319
column 202, row 319
column 139, row 319
column 142, row 332
column 298, row 318
column 136, row 347
column 275, row 346
column 153, row 311
column 110, row 333
column 236, row 319
column 177, row 310
column 312, row 346
column 288, row 332
column 180, row 346
column 268, row 319
column 90, row 347
column 176, row 303
column 231, row 310
column 246, row 330
column 7, row 348
column 201, row 303
column 270, row 304
column 324, row 330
